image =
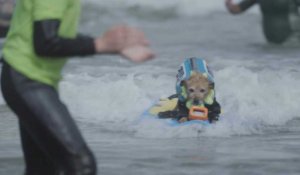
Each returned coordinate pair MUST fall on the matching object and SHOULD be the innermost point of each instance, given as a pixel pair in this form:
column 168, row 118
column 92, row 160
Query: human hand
column 137, row 53
column 232, row 8
column 126, row 41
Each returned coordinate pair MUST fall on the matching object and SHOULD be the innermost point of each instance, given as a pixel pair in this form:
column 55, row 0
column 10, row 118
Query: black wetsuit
column 51, row 141
column 276, row 23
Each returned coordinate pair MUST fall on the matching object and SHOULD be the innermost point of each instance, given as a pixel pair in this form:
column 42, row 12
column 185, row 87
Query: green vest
column 18, row 49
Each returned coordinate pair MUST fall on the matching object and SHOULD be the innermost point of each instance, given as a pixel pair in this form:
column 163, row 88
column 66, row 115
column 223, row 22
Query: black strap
column 173, row 96
column 172, row 115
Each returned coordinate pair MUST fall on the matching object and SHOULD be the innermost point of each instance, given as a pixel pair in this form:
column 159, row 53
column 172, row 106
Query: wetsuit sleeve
column 48, row 43
column 47, row 40
column 244, row 5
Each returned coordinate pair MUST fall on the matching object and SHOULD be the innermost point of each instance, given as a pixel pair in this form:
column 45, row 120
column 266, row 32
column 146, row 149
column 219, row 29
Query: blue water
column 256, row 84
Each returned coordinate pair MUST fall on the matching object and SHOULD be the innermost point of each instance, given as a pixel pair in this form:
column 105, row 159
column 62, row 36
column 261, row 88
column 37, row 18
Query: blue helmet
column 185, row 71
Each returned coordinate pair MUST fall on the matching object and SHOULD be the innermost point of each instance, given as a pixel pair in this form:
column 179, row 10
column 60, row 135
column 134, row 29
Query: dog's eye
column 202, row 90
column 191, row 90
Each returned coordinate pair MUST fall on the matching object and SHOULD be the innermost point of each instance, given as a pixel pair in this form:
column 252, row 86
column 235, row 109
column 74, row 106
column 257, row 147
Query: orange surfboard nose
column 198, row 113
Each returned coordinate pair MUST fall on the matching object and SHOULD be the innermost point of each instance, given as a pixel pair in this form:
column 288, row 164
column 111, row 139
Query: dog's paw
column 183, row 119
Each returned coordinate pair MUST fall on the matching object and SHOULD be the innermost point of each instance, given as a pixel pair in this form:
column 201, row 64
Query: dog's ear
column 183, row 83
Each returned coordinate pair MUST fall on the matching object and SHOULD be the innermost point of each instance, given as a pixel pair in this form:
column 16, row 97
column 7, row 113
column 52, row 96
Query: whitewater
column 256, row 85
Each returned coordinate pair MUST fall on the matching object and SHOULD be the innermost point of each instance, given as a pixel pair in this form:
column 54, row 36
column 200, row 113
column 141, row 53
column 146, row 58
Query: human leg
column 46, row 122
column 276, row 24
column 36, row 160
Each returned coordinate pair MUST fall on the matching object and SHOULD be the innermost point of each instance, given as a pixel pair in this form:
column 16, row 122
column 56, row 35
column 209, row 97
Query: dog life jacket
column 185, row 71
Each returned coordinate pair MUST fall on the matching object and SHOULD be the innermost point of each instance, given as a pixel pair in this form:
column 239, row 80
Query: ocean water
column 256, row 83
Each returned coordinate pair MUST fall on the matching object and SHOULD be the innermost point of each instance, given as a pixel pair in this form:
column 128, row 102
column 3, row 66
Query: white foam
column 183, row 7
column 113, row 97
column 251, row 100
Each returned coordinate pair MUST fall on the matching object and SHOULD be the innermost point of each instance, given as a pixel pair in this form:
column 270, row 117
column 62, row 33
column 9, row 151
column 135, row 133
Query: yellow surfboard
column 163, row 105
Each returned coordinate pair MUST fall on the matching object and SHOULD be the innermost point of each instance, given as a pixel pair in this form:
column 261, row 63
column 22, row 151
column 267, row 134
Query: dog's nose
column 196, row 102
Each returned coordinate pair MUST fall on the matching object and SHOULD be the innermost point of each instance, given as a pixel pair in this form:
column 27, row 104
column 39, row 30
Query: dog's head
column 197, row 88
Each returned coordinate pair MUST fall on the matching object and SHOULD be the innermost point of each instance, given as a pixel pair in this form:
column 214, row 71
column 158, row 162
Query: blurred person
column 276, row 22
column 6, row 10
column 42, row 34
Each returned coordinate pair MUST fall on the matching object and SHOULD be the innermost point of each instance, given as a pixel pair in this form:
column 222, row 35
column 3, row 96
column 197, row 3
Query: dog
column 198, row 88
column 195, row 86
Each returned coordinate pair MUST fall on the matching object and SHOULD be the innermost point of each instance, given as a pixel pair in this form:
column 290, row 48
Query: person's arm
column 47, row 15
column 48, row 43
column 127, row 41
column 239, row 8
column 123, row 40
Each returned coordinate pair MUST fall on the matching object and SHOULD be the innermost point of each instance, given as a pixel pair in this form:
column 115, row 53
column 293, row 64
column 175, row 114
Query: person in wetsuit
column 276, row 16
column 42, row 34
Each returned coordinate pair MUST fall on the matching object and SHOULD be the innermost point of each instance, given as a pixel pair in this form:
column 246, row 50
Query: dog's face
column 197, row 87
